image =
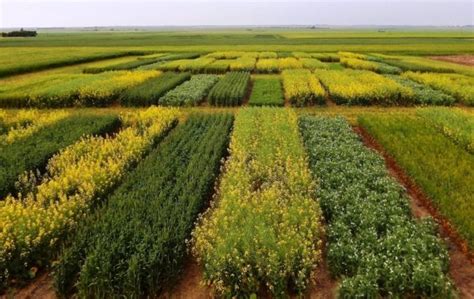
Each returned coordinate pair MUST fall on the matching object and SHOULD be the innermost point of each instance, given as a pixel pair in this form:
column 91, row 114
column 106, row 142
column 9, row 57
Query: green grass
column 266, row 92
column 444, row 170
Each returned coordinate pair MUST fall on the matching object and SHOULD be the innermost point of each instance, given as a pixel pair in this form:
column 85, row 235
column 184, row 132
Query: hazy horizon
column 127, row 13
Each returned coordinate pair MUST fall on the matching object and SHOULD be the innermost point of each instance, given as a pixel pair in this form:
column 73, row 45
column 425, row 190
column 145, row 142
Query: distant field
column 414, row 42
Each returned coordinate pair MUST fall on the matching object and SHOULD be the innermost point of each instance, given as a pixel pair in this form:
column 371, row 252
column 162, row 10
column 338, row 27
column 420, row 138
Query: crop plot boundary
column 461, row 260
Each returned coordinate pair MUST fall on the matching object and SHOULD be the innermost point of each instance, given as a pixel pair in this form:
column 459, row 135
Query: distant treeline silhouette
column 20, row 33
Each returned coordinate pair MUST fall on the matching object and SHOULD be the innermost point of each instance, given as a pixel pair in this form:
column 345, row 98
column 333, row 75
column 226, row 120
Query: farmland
column 262, row 163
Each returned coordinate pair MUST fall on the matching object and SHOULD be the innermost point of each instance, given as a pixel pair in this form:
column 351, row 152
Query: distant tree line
column 20, row 33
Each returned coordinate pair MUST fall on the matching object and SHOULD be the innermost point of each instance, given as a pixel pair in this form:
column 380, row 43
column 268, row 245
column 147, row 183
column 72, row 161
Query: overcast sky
column 77, row 13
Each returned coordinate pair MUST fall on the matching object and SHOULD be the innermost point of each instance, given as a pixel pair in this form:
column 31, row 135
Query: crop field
column 231, row 163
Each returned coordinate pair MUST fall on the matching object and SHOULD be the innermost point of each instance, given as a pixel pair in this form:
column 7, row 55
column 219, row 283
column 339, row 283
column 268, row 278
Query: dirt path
column 459, row 59
column 461, row 261
column 40, row 288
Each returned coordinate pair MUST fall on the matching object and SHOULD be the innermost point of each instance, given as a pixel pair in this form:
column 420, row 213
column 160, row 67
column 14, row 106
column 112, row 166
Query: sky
column 85, row 13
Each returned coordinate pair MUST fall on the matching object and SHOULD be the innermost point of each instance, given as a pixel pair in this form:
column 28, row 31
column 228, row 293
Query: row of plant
column 57, row 57
column 150, row 91
column 25, row 123
column 163, row 59
column 32, row 151
column 191, row 92
column 374, row 245
column 423, row 94
column 459, row 86
column 244, row 63
column 302, row 87
column 230, row 90
column 66, row 90
column 456, row 124
column 274, row 65
column 239, row 54
column 136, row 244
column 264, row 230
column 378, row 67
column 124, row 66
column 357, row 87
column 421, row 149
column 51, row 204
column 266, row 92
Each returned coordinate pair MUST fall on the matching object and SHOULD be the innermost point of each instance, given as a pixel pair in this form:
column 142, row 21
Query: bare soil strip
column 40, row 288
column 459, row 59
column 461, row 260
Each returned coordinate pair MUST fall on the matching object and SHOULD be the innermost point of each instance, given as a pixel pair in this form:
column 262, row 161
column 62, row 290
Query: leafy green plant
column 136, row 244
column 373, row 243
column 191, row 92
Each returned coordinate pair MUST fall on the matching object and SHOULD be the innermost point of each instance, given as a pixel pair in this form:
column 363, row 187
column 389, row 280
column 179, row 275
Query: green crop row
column 456, row 124
column 150, row 91
column 33, row 152
column 230, row 90
column 191, row 92
column 121, row 66
column 373, row 243
column 35, row 221
column 266, row 92
column 420, row 149
column 136, row 244
column 264, row 230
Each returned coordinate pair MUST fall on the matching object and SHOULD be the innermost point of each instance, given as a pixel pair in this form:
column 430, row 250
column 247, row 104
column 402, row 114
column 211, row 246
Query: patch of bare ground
column 461, row 260
column 189, row 286
column 39, row 288
column 459, row 59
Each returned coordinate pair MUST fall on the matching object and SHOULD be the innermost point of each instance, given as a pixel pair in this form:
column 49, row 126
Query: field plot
column 191, row 92
column 144, row 227
column 67, row 90
column 35, row 221
column 354, row 87
column 230, row 90
column 421, row 149
column 459, row 86
column 265, row 200
column 369, row 221
column 302, row 88
column 33, row 59
column 266, row 92
column 152, row 90
column 28, row 145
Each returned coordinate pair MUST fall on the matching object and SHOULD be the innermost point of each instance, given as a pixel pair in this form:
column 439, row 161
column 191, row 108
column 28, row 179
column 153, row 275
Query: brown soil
column 40, row 288
column 190, row 286
column 324, row 286
column 461, row 260
column 459, row 59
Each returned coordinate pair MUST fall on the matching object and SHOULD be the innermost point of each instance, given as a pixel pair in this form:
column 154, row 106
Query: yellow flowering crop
column 26, row 122
column 264, row 230
column 459, row 86
column 302, row 88
column 362, row 87
column 32, row 223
